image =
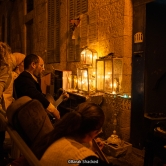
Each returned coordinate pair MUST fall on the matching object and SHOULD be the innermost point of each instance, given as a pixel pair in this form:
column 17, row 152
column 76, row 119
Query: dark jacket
column 25, row 85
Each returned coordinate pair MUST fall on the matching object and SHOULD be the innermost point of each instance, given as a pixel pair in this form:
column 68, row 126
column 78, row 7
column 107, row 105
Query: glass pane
column 108, row 76
column 94, row 60
column 92, row 80
column 85, row 80
column 88, row 55
column 79, row 78
column 117, row 76
column 82, row 76
column 100, row 75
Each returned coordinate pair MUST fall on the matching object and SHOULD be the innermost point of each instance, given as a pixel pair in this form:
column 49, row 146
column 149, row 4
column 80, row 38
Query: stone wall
column 117, row 108
column 40, row 28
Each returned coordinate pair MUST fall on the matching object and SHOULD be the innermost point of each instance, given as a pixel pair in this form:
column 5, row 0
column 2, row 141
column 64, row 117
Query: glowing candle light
column 85, row 74
column 115, row 85
column 113, row 92
column 95, row 57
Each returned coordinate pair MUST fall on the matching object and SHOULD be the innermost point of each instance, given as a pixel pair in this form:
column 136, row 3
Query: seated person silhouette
column 29, row 119
column 27, row 84
column 71, row 138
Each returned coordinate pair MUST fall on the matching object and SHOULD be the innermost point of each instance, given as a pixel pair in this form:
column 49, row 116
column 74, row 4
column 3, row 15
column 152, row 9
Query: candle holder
column 86, row 80
column 73, row 83
column 111, row 99
column 86, row 74
column 109, row 74
column 88, row 57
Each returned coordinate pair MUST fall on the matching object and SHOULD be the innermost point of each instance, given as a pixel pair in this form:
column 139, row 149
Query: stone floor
column 135, row 158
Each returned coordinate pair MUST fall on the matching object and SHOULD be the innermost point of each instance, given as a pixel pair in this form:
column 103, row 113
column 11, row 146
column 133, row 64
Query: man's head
column 34, row 64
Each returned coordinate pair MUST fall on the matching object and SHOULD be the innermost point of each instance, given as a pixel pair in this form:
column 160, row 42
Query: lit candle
column 95, row 57
column 113, row 92
column 115, row 85
column 85, row 74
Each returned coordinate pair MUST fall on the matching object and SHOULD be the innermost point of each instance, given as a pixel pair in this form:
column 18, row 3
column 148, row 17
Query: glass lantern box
column 88, row 57
column 109, row 75
column 86, row 80
column 62, row 80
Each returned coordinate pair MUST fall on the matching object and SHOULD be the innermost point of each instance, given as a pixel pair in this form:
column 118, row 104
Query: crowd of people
column 11, row 65
column 70, row 141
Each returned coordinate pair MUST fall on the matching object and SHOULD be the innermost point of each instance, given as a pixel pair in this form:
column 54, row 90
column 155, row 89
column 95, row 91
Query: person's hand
column 56, row 113
column 100, row 142
column 97, row 145
column 52, row 109
column 65, row 96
